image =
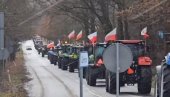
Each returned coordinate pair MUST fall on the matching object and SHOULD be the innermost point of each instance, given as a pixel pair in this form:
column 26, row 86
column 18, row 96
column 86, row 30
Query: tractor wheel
column 42, row 54
column 38, row 52
column 84, row 72
column 91, row 77
column 71, row 68
column 55, row 63
column 59, row 63
column 106, row 77
column 111, row 82
column 51, row 61
column 87, row 75
column 144, row 83
column 63, row 64
column 166, row 85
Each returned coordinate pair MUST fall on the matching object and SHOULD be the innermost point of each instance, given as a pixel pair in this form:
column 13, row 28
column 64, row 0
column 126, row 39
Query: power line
column 39, row 13
column 146, row 11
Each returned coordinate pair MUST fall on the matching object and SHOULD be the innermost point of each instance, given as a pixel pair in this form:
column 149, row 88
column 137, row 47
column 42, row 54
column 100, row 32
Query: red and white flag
column 79, row 36
column 144, row 33
column 71, row 35
column 93, row 37
column 59, row 43
column 111, row 36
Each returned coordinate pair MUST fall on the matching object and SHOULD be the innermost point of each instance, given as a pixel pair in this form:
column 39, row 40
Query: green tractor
column 74, row 57
column 96, row 68
column 139, row 72
column 63, row 59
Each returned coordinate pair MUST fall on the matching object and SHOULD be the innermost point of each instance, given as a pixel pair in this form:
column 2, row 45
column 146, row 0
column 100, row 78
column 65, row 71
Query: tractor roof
column 130, row 41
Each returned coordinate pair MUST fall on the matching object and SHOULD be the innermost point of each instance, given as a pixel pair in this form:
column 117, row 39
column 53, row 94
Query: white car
column 28, row 48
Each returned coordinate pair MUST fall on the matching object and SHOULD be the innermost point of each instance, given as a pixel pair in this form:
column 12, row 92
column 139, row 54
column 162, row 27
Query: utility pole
column 1, row 30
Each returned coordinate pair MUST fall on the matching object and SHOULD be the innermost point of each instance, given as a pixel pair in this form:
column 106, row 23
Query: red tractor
column 139, row 72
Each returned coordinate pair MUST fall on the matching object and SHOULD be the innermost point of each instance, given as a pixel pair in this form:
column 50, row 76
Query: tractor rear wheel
column 71, row 68
column 42, row 54
column 106, row 77
column 166, row 76
column 63, row 64
column 91, row 77
column 111, row 82
column 84, row 72
column 59, row 63
column 144, row 83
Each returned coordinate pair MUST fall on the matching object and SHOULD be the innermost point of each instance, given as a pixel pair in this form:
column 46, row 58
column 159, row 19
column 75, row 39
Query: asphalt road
column 49, row 81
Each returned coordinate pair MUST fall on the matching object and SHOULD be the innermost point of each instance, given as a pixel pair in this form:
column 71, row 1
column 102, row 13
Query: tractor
column 139, row 72
column 96, row 68
column 63, row 59
column 53, row 55
column 44, row 50
column 74, row 57
column 163, row 70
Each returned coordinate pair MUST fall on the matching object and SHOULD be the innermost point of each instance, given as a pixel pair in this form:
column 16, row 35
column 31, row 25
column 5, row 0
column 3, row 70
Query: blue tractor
column 163, row 71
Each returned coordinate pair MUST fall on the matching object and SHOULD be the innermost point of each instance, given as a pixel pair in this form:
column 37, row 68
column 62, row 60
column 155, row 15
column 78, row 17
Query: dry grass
column 15, row 86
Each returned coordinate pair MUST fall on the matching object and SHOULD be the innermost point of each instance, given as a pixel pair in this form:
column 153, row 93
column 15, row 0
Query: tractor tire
column 38, row 52
column 166, row 77
column 87, row 75
column 59, row 63
column 145, row 81
column 42, row 54
column 63, row 64
column 91, row 77
column 54, row 62
column 106, row 77
column 71, row 68
column 111, row 82
column 84, row 72
column 51, row 61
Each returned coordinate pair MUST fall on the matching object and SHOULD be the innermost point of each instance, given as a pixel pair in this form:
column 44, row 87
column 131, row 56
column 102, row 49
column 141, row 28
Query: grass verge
column 14, row 78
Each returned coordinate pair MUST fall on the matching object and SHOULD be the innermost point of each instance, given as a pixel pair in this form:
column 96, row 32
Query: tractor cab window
column 99, row 52
column 137, row 49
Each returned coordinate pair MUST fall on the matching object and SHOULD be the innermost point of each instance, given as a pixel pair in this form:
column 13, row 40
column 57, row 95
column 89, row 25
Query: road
column 49, row 81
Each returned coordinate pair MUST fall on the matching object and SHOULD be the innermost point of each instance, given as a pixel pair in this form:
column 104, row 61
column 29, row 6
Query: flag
column 93, row 37
column 71, row 35
column 144, row 33
column 59, row 43
column 50, row 45
column 111, row 36
column 79, row 36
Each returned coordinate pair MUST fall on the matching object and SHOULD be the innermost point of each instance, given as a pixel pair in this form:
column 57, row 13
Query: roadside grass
column 14, row 78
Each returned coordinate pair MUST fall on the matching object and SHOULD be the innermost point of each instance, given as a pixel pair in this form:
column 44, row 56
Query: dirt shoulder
column 14, row 78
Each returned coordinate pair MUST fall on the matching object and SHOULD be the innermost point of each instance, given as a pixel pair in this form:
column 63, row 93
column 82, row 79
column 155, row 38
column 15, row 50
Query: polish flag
column 50, row 45
column 93, row 37
column 59, row 43
column 79, row 36
column 71, row 35
column 144, row 33
column 111, row 36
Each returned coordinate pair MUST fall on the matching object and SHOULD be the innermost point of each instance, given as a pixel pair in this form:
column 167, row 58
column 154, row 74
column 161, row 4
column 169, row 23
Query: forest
column 55, row 19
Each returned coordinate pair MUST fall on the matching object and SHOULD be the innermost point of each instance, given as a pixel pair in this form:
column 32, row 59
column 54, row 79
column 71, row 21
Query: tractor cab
column 74, row 57
column 64, row 56
column 96, row 68
column 139, row 72
column 163, row 70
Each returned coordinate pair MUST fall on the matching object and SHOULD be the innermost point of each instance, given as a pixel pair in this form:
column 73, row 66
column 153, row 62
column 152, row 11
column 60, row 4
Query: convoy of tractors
column 66, row 56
